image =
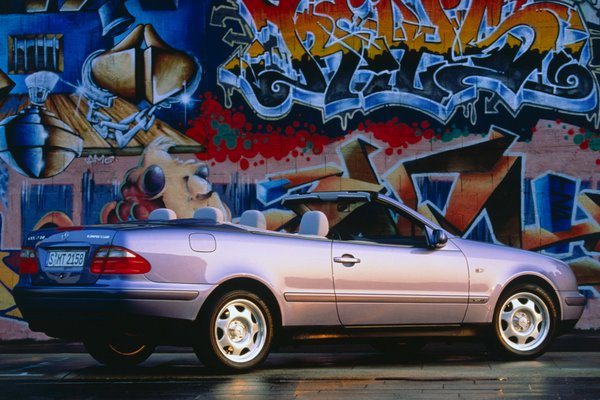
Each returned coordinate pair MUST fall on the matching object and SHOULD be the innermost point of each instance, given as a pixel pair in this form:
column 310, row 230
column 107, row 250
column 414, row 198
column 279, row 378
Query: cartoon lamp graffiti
column 35, row 142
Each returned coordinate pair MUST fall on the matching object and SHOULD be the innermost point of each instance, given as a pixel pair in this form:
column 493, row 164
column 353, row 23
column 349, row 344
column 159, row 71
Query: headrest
column 163, row 214
column 253, row 218
column 209, row 213
column 314, row 223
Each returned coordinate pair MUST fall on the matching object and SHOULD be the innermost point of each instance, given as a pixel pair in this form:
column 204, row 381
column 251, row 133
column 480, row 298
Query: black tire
column 524, row 324
column 236, row 332
column 119, row 350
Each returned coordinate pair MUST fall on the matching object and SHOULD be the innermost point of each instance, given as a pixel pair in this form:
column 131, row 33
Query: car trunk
column 64, row 256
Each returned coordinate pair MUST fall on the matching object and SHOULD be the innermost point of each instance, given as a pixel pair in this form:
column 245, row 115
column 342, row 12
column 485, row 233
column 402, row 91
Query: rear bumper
column 72, row 312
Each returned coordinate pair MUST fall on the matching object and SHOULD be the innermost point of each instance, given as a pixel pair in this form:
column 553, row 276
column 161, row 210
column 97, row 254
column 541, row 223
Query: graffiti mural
column 34, row 141
column 160, row 181
column 480, row 114
column 8, row 280
column 140, row 67
column 433, row 56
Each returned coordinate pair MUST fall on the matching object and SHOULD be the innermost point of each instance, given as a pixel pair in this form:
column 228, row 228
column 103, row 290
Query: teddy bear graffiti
column 160, row 180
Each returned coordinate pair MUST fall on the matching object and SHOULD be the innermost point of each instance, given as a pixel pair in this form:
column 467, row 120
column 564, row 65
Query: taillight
column 28, row 263
column 118, row 260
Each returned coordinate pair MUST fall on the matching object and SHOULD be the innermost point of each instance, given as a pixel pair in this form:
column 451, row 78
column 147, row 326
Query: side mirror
column 438, row 239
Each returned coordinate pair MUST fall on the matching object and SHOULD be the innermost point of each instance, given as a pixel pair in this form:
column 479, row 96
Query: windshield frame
column 297, row 204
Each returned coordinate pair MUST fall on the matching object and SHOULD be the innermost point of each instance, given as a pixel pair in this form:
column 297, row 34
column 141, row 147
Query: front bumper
column 573, row 303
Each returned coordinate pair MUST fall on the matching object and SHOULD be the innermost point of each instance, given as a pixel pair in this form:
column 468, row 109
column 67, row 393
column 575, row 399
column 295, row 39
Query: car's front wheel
column 121, row 350
column 236, row 332
column 525, row 322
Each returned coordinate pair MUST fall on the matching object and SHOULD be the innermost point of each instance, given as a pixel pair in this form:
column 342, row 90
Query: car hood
column 484, row 250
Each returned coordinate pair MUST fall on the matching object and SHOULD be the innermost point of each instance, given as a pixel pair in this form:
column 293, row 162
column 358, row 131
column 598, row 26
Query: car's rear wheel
column 121, row 350
column 236, row 333
column 525, row 322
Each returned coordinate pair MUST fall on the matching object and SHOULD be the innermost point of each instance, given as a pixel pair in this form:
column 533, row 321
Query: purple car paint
column 350, row 265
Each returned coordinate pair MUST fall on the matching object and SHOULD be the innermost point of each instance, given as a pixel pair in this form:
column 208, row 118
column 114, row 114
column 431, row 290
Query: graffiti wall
column 481, row 114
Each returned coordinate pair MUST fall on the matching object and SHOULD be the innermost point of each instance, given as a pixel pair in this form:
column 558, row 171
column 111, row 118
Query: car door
column 385, row 274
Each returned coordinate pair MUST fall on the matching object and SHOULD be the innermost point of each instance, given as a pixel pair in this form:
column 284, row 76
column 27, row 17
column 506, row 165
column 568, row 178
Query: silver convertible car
column 347, row 266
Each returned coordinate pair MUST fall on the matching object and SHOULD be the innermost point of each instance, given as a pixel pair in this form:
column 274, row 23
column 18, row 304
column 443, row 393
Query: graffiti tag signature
column 343, row 56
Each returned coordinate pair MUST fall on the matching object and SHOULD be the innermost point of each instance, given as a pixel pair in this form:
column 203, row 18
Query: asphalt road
column 570, row 370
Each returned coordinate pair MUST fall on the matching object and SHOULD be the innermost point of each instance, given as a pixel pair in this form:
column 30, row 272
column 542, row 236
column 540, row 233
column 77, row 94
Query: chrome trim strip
column 139, row 294
column 375, row 298
column 309, row 297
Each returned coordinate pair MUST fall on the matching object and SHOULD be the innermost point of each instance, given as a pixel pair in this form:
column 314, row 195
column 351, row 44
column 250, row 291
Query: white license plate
column 65, row 259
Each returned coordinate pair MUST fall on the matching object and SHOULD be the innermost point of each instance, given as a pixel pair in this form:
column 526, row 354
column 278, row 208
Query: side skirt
column 359, row 333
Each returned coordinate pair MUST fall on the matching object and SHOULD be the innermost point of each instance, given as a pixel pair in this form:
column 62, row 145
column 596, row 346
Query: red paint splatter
column 584, row 145
column 393, row 133
column 220, row 156
column 244, row 164
column 228, row 135
column 428, row 134
column 598, row 161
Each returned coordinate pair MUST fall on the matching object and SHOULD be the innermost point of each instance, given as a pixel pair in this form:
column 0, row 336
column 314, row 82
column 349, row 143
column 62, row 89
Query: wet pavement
column 58, row 370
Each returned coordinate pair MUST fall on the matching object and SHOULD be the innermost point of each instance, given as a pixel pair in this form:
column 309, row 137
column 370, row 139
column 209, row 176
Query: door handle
column 348, row 260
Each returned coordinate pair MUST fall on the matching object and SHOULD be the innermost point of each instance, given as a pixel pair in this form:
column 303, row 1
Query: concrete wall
column 481, row 114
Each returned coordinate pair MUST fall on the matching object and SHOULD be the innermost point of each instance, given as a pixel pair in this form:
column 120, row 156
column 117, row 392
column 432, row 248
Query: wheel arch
column 251, row 285
column 534, row 280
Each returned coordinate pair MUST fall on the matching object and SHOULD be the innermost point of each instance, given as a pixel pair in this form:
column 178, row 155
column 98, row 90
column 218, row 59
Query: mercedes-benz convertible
column 345, row 266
